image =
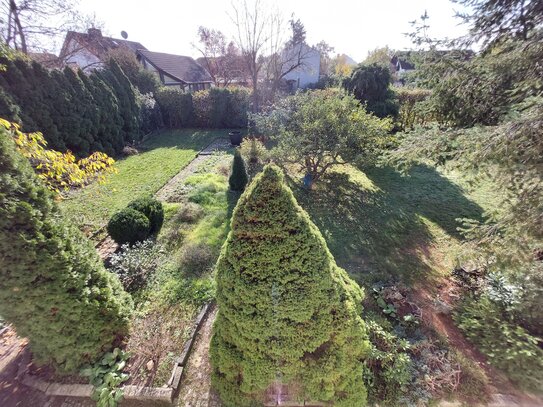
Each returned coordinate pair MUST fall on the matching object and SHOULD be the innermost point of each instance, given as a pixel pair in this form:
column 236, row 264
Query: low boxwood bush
column 151, row 208
column 129, row 226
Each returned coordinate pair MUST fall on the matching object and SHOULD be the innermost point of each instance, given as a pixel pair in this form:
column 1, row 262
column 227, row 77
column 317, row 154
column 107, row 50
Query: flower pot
column 235, row 137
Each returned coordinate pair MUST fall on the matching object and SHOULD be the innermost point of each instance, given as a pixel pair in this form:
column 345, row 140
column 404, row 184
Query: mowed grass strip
column 161, row 158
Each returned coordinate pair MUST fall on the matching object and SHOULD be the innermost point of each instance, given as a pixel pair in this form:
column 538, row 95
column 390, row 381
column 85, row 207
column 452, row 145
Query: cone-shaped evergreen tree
column 238, row 176
column 288, row 317
column 53, row 287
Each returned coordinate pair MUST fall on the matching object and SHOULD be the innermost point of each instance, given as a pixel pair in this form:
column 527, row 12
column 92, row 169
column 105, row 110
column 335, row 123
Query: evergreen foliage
column 53, row 286
column 152, row 209
column 76, row 112
column 288, row 315
column 176, row 107
column 129, row 226
column 370, row 84
column 238, row 176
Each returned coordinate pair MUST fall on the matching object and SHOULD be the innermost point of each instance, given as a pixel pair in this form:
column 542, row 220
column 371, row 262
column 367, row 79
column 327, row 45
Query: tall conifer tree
column 289, row 317
column 54, row 288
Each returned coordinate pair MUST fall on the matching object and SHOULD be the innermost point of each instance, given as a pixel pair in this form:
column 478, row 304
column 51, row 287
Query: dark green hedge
column 211, row 108
column 53, row 286
column 286, row 310
column 76, row 112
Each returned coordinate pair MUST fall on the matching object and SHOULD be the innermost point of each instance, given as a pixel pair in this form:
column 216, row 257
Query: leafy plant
column 388, row 367
column 197, row 258
column 508, row 346
column 106, row 376
column 253, row 150
column 134, row 264
column 59, row 171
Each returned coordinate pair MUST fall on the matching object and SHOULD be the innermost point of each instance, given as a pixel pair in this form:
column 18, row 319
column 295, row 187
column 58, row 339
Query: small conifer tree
column 53, row 287
column 288, row 315
column 238, row 176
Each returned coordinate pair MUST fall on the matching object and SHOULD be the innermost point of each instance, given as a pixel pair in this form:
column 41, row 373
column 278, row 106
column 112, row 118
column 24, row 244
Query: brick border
column 165, row 393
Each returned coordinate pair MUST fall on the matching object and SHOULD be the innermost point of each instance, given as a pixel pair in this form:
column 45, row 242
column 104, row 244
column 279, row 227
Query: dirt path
column 503, row 393
column 196, row 382
column 106, row 247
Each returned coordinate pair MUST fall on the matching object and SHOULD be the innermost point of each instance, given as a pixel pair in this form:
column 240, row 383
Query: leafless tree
column 289, row 50
column 266, row 45
column 222, row 59
column 36, row 25
column 252, row 36
column 326, row 52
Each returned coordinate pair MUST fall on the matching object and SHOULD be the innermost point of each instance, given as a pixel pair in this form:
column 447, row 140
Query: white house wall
column 82, row 57
column 308, row 73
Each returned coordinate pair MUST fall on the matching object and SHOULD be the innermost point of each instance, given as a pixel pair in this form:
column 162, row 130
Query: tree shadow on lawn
column 375, row 226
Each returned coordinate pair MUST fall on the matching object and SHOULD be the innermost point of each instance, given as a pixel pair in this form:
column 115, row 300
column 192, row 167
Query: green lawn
column 384, row 227
column 162, row 156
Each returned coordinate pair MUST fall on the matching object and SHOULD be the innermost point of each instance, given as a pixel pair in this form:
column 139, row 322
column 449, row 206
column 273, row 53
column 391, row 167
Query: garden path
column 196, row 382
column 107, row 246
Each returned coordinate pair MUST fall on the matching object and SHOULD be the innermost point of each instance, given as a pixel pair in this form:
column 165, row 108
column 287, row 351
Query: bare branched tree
column 37, row 25
column 222, row 59
column 289, row 51
column 252, row 37
column 268, row 48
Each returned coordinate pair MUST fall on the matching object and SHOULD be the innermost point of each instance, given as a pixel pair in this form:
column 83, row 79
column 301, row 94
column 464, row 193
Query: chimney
column 94, row 33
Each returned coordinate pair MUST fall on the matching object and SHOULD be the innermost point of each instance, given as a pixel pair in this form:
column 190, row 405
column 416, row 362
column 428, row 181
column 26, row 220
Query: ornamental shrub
column 238, row 176
column 288, row 316
column 152, row 209
column 129, row 226
column 53, row 286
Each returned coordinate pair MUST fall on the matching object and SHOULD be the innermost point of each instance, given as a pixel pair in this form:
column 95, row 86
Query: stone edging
column 131, row 392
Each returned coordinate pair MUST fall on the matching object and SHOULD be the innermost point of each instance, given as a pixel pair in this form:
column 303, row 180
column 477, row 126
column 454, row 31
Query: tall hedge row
column 211, row 108
column 288, row 316
column 76, row 112
column 53, row 287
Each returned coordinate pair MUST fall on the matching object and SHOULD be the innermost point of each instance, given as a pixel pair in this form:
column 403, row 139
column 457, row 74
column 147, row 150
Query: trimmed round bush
column 129, row 226
column 151, row 208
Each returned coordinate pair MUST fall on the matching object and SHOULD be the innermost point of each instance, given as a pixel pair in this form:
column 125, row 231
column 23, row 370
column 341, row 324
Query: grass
column 163, row 156
column 384, row 227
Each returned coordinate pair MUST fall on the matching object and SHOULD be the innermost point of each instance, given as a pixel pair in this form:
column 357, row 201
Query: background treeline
column 106, row 110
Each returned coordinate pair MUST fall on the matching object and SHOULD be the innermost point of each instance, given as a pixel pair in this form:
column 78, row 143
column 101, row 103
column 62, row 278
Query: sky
column 353, row 27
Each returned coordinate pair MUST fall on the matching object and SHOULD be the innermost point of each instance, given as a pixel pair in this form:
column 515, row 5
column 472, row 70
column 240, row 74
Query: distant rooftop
column 99, row 45
column 179, row 67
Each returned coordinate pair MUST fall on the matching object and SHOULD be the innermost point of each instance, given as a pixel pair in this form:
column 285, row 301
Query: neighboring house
column 176, row 70
column 302, row 66
column 89, row 50
column 401, row 66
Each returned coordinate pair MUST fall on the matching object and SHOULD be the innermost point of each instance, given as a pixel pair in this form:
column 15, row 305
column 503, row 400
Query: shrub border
column 131, row 392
